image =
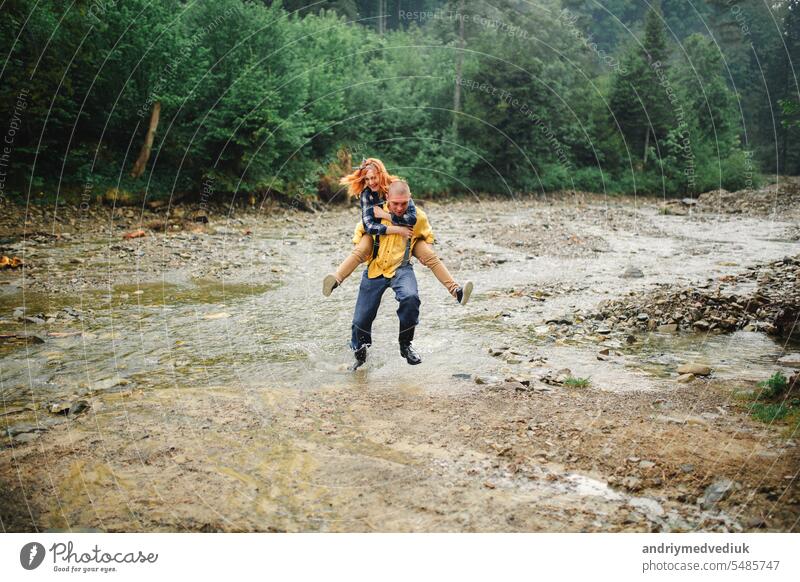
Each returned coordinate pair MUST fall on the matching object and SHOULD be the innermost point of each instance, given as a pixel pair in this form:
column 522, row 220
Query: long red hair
column 357, row 180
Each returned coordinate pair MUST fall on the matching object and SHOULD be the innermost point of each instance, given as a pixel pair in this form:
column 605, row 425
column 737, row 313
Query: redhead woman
column 370, row 182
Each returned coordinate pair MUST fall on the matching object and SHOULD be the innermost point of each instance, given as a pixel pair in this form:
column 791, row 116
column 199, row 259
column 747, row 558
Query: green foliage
column 577, row 382
column 768, row 412
column 773, row 387
column 262, row 95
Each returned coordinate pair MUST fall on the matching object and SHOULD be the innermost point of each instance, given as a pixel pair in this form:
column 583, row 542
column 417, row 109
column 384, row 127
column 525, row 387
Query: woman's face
column 372, row 178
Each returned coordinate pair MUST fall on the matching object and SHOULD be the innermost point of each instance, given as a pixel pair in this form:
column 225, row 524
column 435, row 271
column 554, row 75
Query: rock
column 134, row 234
column 701, row 325
column 631, row 483
column 462, row 376
column 13, row 431
column 632, row 273
column 696, row 369
column 78, row 407
column 698, row 420
column 108, row 383
column 689, row 419
column 687, row 468
column 603, row 330
column 790, row 360
column 646, row 464
column 685, row 378
column 485, row 379
column 668, row 328
column 650, row 507
column 60, row 407
column 27, row 437
column 716, row 492
column 642, row 317
column 21, row 338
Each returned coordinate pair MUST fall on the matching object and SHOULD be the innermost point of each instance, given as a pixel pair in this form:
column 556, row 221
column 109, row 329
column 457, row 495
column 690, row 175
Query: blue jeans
column 404, row 284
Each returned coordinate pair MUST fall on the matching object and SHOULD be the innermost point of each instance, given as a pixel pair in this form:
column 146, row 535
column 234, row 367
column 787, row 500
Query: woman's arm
column 372, row 225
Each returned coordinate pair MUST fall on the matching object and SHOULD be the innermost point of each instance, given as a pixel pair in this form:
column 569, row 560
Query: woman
column 370, row 182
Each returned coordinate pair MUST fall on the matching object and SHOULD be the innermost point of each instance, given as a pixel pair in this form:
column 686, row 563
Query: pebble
column 632, row 273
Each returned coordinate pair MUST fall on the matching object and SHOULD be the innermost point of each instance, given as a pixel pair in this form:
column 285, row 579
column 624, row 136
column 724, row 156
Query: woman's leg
column 426, row 255
column 360, row 254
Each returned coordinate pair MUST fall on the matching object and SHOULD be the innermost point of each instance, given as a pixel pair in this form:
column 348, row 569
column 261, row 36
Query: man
column 390, row 267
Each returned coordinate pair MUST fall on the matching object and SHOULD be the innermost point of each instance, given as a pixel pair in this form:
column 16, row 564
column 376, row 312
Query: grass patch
column 768, row 412
column 773, row 387
column 577, row 382
column 772, row 402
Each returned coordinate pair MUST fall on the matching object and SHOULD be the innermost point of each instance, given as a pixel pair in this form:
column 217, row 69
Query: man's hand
column 381, row 213
column 403, row 231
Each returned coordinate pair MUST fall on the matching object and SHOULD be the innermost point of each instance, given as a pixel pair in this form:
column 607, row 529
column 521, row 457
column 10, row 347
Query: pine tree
column 641, row 91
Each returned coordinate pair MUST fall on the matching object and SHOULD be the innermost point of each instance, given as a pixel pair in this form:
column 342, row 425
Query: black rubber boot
column 406, row 349
column 361, row 357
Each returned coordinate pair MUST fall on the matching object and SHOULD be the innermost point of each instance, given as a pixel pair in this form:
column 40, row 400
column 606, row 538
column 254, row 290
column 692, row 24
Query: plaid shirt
column 369, row 200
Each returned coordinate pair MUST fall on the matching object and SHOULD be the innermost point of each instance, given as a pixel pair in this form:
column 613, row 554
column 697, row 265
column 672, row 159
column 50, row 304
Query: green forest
column 159, row 99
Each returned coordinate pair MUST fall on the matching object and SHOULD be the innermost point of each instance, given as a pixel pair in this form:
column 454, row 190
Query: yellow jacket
column 393, row 246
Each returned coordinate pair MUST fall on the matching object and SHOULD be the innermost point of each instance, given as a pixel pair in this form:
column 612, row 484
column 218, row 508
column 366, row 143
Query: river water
column 266, row 338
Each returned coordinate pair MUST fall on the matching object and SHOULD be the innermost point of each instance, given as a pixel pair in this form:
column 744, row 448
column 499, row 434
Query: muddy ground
column 194, row 379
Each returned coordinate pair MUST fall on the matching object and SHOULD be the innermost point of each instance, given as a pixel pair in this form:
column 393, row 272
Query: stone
column 790, row 360
column 631, row 483
column 650, row 507
column 696, row 369
column 60, row 407
column 685, row 378
column 485, row 379
column 27, row 437
column 78, row 407
column 632, row 273
column 668, row 328
column 18, row 429
column 694, row 419
column 716, row 492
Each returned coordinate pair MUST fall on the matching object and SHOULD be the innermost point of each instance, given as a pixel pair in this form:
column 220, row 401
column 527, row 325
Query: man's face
column 398, row 203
